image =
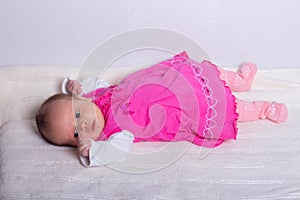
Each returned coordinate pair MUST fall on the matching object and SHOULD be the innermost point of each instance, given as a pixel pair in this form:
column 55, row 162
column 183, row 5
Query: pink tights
column 250, row 111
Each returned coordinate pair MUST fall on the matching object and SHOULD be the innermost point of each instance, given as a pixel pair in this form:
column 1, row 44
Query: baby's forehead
column 61, row 114
column 60, row 107
column 65, row 107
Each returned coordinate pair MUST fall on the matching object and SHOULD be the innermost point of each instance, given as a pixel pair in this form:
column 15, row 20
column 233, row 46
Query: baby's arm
column 100, row 153
column 84, row 86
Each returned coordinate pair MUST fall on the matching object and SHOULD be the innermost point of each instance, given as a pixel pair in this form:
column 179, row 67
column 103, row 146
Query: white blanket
column 263, row 163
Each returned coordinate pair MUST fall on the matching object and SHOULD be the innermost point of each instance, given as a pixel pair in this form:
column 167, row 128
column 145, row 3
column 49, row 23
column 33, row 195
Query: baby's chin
column 97, row 132
column 99, row 125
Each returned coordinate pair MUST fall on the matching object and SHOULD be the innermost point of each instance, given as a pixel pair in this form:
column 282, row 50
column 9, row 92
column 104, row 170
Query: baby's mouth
column 93, row 125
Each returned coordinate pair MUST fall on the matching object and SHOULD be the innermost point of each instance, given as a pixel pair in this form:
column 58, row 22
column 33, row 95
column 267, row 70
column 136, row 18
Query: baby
column 62, row 117
column 175, row 100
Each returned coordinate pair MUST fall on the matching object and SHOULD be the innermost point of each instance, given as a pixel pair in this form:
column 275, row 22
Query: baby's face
column 69, row 116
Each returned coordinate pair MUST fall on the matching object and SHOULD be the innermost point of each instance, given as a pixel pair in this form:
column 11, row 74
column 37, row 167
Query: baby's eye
column 77, row 115
column 76, row 133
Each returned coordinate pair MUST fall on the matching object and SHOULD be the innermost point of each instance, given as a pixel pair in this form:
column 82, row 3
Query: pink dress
column 175, row 100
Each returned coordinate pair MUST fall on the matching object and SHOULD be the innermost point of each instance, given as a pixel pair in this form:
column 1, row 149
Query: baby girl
column 176, row 100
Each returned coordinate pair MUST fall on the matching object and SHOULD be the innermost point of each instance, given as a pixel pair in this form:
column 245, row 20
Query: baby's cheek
column 73, row 142
column 85, row 135
column 100, row 118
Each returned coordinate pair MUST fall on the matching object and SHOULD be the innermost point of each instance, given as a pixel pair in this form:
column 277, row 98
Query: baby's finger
column 84, row 153
column 70, row 86
column 78, row 90
column 85, row 142
column 77, row 83
column 83, row 147
column 80, row 148
column 70, row 82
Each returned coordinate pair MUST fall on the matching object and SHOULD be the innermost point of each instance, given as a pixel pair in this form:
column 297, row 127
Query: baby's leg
column 242, row 79
column 251, row 111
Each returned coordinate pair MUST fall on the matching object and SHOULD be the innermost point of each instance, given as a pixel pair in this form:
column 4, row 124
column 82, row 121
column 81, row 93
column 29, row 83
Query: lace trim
column 207, row 91
column 236, row 115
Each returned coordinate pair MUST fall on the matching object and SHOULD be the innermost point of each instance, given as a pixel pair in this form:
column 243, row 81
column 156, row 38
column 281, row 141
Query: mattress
column 263, row 163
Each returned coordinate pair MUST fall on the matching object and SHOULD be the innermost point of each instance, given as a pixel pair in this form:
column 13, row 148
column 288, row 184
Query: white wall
column 232, row 31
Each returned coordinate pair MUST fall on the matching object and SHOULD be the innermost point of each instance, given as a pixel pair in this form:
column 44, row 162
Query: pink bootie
column 242, row 79
column 251, row 111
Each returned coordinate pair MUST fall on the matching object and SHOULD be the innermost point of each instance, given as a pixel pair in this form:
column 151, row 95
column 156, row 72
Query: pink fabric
column 175, row 100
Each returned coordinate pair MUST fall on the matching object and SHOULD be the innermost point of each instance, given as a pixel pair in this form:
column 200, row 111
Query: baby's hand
column 84, row 145
column 73, row 87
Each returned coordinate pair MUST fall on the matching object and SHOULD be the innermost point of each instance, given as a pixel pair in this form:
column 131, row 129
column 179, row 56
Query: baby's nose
column 83, row 125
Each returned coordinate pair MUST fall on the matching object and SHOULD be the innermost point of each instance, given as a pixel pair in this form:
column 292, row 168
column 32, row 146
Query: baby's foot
column 246, row 71
column 277, row 112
